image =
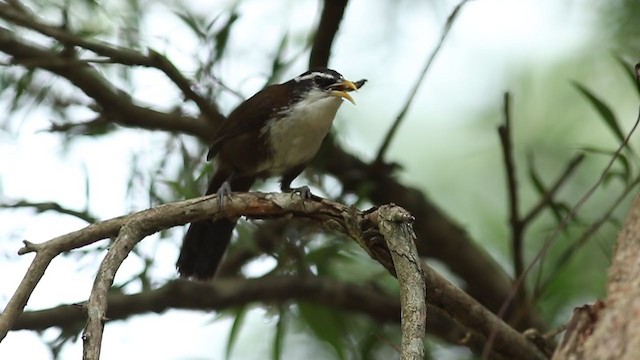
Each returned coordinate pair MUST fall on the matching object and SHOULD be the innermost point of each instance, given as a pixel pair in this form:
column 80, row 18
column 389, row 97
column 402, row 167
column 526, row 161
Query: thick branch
column 395, row 226
column 332, row 14
column 227, row 293
column 362, row 227
column 438, row 235
column 120, row 55
column 115, row 104
column 472, row 315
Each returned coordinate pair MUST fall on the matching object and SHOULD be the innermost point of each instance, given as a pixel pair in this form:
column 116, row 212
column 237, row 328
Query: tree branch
column 484, row 278
column 403, row 112
column 51, row 206
column 550, row 193
column 395, row 226
column 332, row 14
column 517, row 230
column 130, row 234
column 362, row 227
column 227, row 293
column 114, row 103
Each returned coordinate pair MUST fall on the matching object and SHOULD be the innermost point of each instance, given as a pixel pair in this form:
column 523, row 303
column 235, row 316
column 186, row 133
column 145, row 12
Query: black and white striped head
column 321, row 84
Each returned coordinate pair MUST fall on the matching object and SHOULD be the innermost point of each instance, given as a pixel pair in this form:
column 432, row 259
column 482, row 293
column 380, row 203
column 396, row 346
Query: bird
column 274, row 133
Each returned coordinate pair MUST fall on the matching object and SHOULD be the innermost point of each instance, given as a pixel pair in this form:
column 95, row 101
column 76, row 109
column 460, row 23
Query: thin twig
column 587, row 234
column 403, row 112
column 51, row 206
column 549, row 194
column 517, row 230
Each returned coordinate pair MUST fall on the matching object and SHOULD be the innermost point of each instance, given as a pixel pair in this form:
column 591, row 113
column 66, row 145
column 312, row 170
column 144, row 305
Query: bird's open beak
column 342, row 89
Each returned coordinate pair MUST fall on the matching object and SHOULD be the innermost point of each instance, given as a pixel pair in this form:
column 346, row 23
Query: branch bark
column 395, row 226
column 227, row 293
column 332, row 15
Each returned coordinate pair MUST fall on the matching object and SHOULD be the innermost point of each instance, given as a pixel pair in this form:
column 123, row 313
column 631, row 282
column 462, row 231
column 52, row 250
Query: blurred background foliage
column 568, row 67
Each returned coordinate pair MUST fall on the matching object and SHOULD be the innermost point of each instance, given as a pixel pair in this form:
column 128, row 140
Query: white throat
column 296, row 137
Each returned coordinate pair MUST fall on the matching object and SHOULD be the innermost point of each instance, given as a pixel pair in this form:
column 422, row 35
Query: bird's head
column 321, row 84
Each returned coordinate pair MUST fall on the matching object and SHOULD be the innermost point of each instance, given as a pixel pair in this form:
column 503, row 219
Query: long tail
column 206, row 241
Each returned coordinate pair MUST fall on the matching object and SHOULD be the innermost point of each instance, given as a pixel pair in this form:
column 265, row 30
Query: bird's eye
column 323, row 82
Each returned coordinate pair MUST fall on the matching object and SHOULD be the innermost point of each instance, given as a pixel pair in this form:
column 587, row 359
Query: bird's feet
column 303, row 191
column 223, row 192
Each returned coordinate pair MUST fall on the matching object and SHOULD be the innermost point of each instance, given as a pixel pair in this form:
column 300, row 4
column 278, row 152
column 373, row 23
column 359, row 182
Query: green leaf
column 538, row 185
column 542, row 190
column 278, row 64
column 197, row 24
column 326, row 324
column 235, row 330
column 367, row 345
column 21, row 87
column 222, row 37
column 278, row 338
column 603, row 109
column 629, row 70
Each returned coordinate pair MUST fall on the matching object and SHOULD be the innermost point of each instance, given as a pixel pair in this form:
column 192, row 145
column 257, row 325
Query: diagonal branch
column 550, row 193
column 332, row 14
column 403, row 112
column 588, row 233
column 485, row 279
column 51, row 206
column 114, row 103
column 130, row 234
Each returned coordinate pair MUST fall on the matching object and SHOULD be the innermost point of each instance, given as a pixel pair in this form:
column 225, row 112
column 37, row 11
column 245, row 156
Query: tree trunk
column 610, row 329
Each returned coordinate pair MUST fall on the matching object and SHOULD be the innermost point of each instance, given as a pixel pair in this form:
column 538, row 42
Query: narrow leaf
column 326, row 324
column 603, row 109
column 278, row 339
column 235, row 330
column 629, row 70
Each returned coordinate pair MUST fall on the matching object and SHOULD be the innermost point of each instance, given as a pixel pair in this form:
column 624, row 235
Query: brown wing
column 250, row 116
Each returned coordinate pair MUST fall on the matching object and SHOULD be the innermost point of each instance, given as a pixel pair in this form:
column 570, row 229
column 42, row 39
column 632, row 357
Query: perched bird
column 276, row 132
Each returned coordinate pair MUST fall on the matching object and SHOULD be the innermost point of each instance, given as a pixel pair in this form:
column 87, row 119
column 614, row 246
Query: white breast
column 296, row 137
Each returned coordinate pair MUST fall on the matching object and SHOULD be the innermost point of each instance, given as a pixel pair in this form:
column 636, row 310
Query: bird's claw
column 303, row 191
column 223, row 192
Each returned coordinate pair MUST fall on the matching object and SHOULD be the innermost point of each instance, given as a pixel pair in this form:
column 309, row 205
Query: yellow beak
column 342, row 89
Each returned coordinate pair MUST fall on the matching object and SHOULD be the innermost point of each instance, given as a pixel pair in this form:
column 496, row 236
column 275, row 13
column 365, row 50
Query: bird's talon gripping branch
column 303, row 191
column 223, row 192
